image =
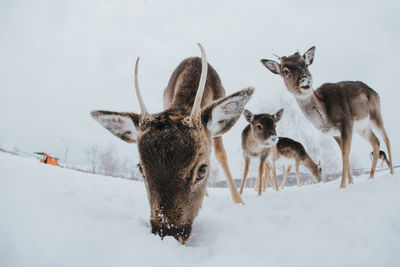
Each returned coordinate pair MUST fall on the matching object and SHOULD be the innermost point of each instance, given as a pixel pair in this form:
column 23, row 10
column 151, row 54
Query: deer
column 292, row 153
column 259, row 139
column 382, row 157
column 174, row 145
column 336, row 109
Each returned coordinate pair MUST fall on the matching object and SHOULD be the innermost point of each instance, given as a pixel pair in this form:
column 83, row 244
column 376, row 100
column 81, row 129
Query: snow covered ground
column 57, row 217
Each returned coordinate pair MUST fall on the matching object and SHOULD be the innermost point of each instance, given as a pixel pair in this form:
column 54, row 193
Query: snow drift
column 56, row 217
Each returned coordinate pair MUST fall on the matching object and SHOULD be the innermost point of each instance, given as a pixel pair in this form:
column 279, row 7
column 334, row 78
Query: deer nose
column 274, row 139
column 305, row 79
column 180, row 233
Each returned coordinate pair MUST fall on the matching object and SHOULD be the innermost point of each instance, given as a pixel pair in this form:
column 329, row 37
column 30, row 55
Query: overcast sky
column 61, row 59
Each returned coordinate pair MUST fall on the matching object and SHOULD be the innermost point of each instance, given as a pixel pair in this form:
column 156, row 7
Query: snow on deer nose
column 305, row 82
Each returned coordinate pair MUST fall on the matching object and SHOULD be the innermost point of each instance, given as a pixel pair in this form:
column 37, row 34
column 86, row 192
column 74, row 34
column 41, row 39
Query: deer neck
column 315, row 112
column 255, row 147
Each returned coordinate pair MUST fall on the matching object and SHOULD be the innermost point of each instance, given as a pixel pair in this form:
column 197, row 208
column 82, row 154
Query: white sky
column 61, row 59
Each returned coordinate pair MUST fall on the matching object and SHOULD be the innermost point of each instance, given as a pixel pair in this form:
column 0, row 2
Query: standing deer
column 259, row 139
column 336, row 109
column 175, row 145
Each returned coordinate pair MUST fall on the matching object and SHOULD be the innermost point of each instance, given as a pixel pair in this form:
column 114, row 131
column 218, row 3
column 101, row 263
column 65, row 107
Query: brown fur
column 252, row 149
column 256, row 142
column 334, row 108
column 290, row 149
column 182, row 87
column 175, row 148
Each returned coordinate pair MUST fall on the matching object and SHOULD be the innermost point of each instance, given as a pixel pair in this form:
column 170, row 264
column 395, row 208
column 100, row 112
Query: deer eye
column 259, row 127
column 140, row 168
column 286, row 72
column 201, row 173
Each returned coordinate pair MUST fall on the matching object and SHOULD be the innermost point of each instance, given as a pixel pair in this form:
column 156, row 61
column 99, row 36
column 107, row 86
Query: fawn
column 259, row 140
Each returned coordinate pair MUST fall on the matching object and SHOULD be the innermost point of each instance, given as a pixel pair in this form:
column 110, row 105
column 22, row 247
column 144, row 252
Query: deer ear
column 248, row 116
column 123, row 125
column 273, row 66
column 309, row 56
column 219, row 116
column 278, row 115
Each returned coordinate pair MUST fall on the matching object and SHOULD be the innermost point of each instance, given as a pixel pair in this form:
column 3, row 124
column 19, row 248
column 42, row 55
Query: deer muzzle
column 180, row 233
column 305, row 83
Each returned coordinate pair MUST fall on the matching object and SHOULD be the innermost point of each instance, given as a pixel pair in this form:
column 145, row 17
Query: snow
column 56, row 217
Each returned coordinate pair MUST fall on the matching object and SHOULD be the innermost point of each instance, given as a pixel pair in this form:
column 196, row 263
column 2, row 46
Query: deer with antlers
column 336, row 109
column 175, row 145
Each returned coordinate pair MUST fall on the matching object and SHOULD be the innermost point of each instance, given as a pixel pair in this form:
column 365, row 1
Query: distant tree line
column 105, row 161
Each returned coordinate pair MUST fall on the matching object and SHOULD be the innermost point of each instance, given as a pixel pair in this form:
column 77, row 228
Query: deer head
column 174, row 149
column 263, row 127
column 294, row 71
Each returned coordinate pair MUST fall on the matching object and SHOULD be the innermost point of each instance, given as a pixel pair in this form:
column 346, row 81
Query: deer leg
column 267, row 176
column 260, row 174
column 256, row 184
column 350, row 176
column 387, row 143
column 265, row 180
column 378, row 123
column 371, row 137
column 275, row 177
column 298, row 173
column 346, row 136
column 271, row 182
column 286, row 176
column 220, row 154
column 246, row 171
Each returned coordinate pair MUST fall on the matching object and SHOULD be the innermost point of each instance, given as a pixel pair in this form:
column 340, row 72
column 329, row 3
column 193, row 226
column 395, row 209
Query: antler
column 143, row 109
column 199, row 95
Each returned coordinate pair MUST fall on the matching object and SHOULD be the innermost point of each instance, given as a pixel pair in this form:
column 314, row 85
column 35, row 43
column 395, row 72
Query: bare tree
column 93, row 155
column 108, row 161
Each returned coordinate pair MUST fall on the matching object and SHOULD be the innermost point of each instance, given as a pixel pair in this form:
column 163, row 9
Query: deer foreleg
column 260, row 175
column 220, row 154
column 298, row 173
column 267, row 176
column 246, row 171
column 286, row 176
column 275, row 177
column 348, row 169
